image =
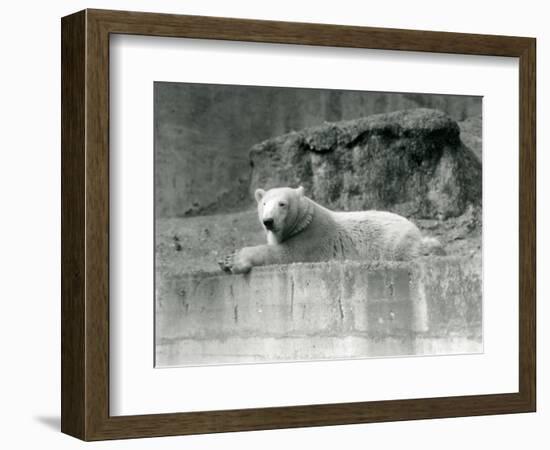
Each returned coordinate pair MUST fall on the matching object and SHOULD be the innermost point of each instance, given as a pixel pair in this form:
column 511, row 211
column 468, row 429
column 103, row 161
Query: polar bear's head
column 280, row 211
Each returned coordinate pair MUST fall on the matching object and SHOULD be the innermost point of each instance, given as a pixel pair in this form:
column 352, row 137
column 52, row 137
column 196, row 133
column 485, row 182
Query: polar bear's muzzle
column 273, row 215
column 269, row 224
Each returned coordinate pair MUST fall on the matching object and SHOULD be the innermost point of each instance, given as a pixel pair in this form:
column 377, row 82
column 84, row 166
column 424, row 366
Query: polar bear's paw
column 235, row 262
column 226, row 263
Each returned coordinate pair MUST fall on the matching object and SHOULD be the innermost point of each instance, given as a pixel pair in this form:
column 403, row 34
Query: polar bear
column 300, row 230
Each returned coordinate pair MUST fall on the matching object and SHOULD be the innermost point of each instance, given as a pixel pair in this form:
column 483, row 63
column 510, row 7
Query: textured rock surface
column 322, row 310
column 410, row 162
column 471, row 134
column 203, row 133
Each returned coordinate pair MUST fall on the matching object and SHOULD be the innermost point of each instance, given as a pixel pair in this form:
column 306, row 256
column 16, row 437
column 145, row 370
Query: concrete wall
column 320, row 311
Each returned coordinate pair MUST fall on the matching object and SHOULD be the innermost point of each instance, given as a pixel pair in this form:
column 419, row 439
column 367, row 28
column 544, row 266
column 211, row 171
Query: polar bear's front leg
column 244, row 259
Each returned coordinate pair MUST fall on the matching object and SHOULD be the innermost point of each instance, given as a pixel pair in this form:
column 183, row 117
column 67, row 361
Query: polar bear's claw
column 226, row 263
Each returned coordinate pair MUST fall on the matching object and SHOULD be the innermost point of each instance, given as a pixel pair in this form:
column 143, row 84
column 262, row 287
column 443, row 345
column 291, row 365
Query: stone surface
column 203, row 133
column 411, row 162
column 320, row 311
column 471, row 134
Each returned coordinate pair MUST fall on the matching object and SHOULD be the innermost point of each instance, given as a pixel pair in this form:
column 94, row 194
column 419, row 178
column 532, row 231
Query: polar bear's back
column 379, row 235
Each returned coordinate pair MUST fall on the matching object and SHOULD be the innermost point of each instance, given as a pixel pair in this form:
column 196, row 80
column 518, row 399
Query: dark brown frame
column 85, row 224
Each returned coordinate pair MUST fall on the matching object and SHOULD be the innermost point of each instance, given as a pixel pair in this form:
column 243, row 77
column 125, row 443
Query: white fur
column 305, row 231
column 272, row 238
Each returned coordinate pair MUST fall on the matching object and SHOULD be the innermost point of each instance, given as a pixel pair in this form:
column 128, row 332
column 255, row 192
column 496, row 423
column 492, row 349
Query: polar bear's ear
column 300, row 191
column 259, row 194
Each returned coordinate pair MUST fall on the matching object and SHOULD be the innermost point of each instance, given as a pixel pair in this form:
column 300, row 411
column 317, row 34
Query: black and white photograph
column 298, row 224
column 250, row 225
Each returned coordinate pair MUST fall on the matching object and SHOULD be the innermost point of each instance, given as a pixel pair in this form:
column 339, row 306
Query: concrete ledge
column 320, row 311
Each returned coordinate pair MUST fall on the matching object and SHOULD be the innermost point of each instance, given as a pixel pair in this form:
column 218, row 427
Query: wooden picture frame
column 85, row 224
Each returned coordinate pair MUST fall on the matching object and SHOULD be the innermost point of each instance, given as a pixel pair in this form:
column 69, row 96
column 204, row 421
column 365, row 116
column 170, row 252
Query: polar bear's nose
column 268, row 223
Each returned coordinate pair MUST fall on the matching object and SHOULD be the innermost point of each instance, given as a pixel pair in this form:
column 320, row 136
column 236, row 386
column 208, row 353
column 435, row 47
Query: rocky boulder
column 411, row 162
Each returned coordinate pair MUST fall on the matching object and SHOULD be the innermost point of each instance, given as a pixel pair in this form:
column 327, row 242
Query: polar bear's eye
column 282, row 204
